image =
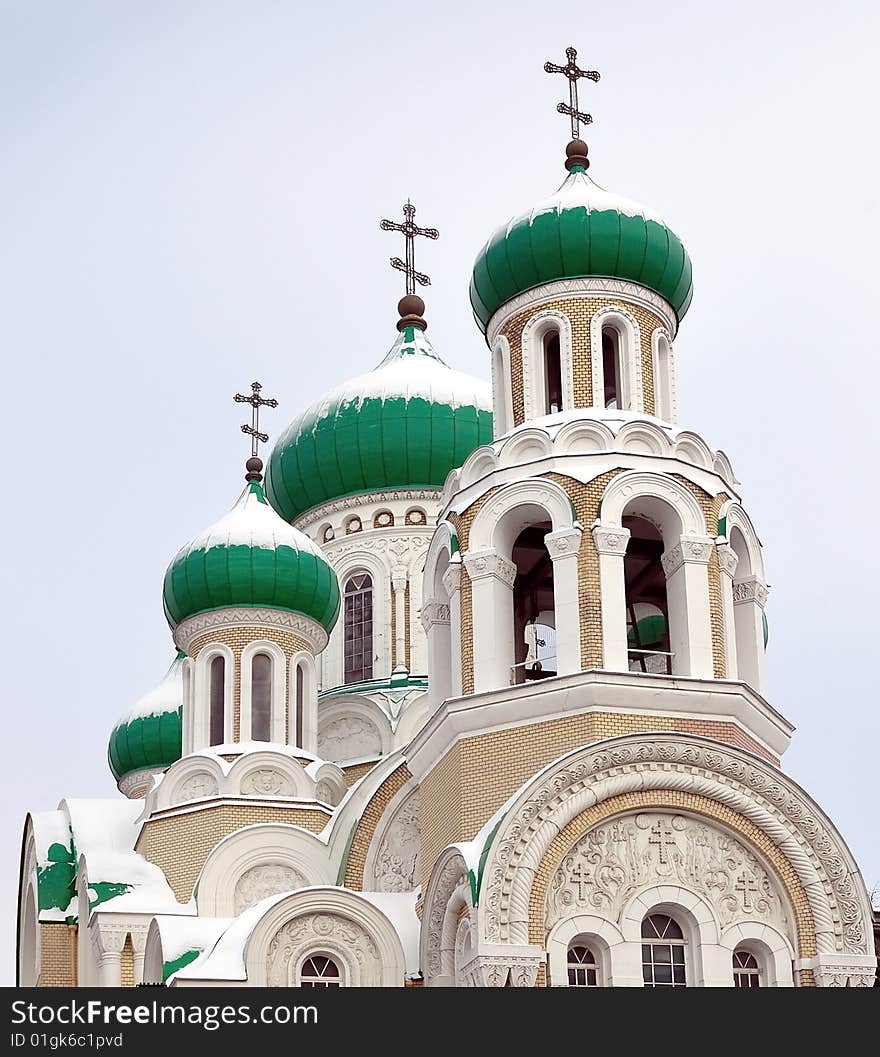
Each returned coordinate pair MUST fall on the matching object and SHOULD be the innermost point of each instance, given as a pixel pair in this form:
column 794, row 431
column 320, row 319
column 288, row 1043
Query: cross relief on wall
column 611, row 864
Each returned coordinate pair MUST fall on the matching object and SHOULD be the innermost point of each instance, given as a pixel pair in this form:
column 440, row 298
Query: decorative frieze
column 252, row 617
column 690, row 548
column 750, row 590
column 611, row 540
column 485, row 563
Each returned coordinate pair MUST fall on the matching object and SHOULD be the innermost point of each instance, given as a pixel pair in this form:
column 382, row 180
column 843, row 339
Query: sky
column 189, row 200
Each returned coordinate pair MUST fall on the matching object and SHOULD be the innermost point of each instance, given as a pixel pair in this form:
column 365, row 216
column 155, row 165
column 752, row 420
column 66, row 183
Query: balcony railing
column 533, row 669
column 657, row 662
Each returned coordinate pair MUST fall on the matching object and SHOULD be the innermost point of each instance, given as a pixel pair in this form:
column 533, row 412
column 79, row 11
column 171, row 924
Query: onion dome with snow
column 251, row 557
column 580, row 231
column 405, row 424
column 149, row 736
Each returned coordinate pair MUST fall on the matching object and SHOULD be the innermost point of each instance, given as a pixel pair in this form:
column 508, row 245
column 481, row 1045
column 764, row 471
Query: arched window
column 663, row 944
column 582, row 968
column 647, row 607
column 217, row 700
column 746, row 971
column 552, row 373
column 663, row 380
column 261, row 697
column 533, row 606
column 358, row 628
column 320, row 971
column 300, row 704
column 612, row 367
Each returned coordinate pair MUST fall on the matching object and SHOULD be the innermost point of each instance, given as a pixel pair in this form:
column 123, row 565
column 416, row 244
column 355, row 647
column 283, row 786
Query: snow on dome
column 166, row 697
column 405, row 424
column 579, row 190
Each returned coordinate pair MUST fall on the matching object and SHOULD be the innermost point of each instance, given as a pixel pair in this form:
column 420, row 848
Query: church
column 467, row 688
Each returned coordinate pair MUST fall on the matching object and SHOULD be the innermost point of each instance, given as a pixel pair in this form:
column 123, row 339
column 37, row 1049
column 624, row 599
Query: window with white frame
column 746, row 971
column 552, row 373
column 583, row 970
column 663, row 950
column 261, row 697
column 320, row 971
column 358, row 628
column 217, row 700
column 612, row 367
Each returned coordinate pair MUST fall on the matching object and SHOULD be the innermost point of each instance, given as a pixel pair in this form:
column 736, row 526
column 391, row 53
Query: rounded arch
column 267, row 844
column 516, row 505
column 416, row 515
column 664, row 375
column 687, row 909
column 626, row 487
column 597, row 932
column 328, row 919
column 446, row 895
column 269, row 774
column 29, row 952
column 278, row 696
column 630, row 352
column 480, row 463
column 526, row 445
column 197, row 726
column 502, row 393
column 693, row 449
column 642, row 438
column 814, row 865
column 538, row 327
column 302, row 707
column 583, row 438
column 732, row 517
column 362, row 560
column 352, row 727
column 772, row 949
column 383, row 518
column 352, row 524
column 191, row 778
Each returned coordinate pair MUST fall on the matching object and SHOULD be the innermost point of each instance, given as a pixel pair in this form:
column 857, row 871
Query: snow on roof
column 109, row 825
column 579, row 190
column 166, row 697
column 127, row 882
column 50, row 827
column 400, row 909
column 182, row 933
column 253, row 523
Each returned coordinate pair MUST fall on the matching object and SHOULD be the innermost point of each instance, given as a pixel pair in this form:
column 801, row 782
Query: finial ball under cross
column 411, row 307
column 574, row 73
column 254, row 465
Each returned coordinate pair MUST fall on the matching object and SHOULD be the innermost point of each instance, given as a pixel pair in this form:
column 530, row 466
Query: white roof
column 166, row 697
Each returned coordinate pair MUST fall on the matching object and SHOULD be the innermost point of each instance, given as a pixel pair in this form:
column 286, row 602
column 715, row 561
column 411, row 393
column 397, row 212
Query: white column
column 491, row 578
column 138, row 946
column 436, row 622
column 727, row 561
column 108, row 944
column 687, row 593
column 452, row 584
column 563, row 549
column 749, row 599
column 611, row 542
column 398, row 584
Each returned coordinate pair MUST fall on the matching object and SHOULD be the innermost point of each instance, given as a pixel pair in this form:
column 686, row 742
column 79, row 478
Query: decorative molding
column 451, row 877
column 631, row 396
column 573, row 289
column 728, row 559
column 564, row 543
column 837, row 971
column 196, row 787
column 325, row 510
column 349, row 737
column 398, row 846
column 434, row 613
column 266, row 781
column 136, row 780
column 735, row 778
column 690, row 549
column 251, row 617
column 534, row 366
column 751, row 590
column 488, row 562
column 452, row 579
column 320, row 932
column 612, row 540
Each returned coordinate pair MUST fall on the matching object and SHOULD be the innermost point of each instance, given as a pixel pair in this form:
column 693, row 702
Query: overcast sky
column 190, row 200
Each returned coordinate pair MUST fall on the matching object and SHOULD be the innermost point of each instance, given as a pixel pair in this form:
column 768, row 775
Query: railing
column 533, row 669
column 657, row 662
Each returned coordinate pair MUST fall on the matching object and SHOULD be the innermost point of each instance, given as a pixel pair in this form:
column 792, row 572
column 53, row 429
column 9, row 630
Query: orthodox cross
column 661, row 835
column 582, row 876
column 574, row 73
column 409, row 230
column 256, row 401
column 748, row 886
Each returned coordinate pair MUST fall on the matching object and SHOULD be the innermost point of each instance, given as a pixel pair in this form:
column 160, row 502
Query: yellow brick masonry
column 674, row 800
column 180, row 843
column 367, row 824
column 580, row 312
column 478, row 774
column 236, row 638
column 57, row 955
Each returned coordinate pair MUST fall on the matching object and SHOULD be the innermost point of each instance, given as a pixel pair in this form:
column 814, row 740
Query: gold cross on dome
column 574, row 73
column 409, row 229
column 256, row 401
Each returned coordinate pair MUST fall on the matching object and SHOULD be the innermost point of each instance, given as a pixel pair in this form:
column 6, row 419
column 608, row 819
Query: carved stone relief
column 267, row 782
column 195, row 787
column 318, row 932
column 614, row 862
column 397, row 859
column 349, row 737
column 268, row 879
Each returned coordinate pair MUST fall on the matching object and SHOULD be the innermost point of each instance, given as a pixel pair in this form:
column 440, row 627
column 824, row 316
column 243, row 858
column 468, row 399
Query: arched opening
column 358, row 628
column 583, row 968
column 552, row 373
column 217, row 700
column 647, row 606
column 746, row 970
column 534, row 613
column 320, row 971
column 29, row 964
column 261, row 697
column 663, row 380
column 502, row 401
column 299, row 683
column 748, row 618
column 612, row 367
column 663, row 952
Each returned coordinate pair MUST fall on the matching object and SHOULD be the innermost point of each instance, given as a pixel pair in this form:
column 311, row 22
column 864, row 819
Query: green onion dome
column 149, row 735
column 251, row 557
column 405, row 424
column 580, row 231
